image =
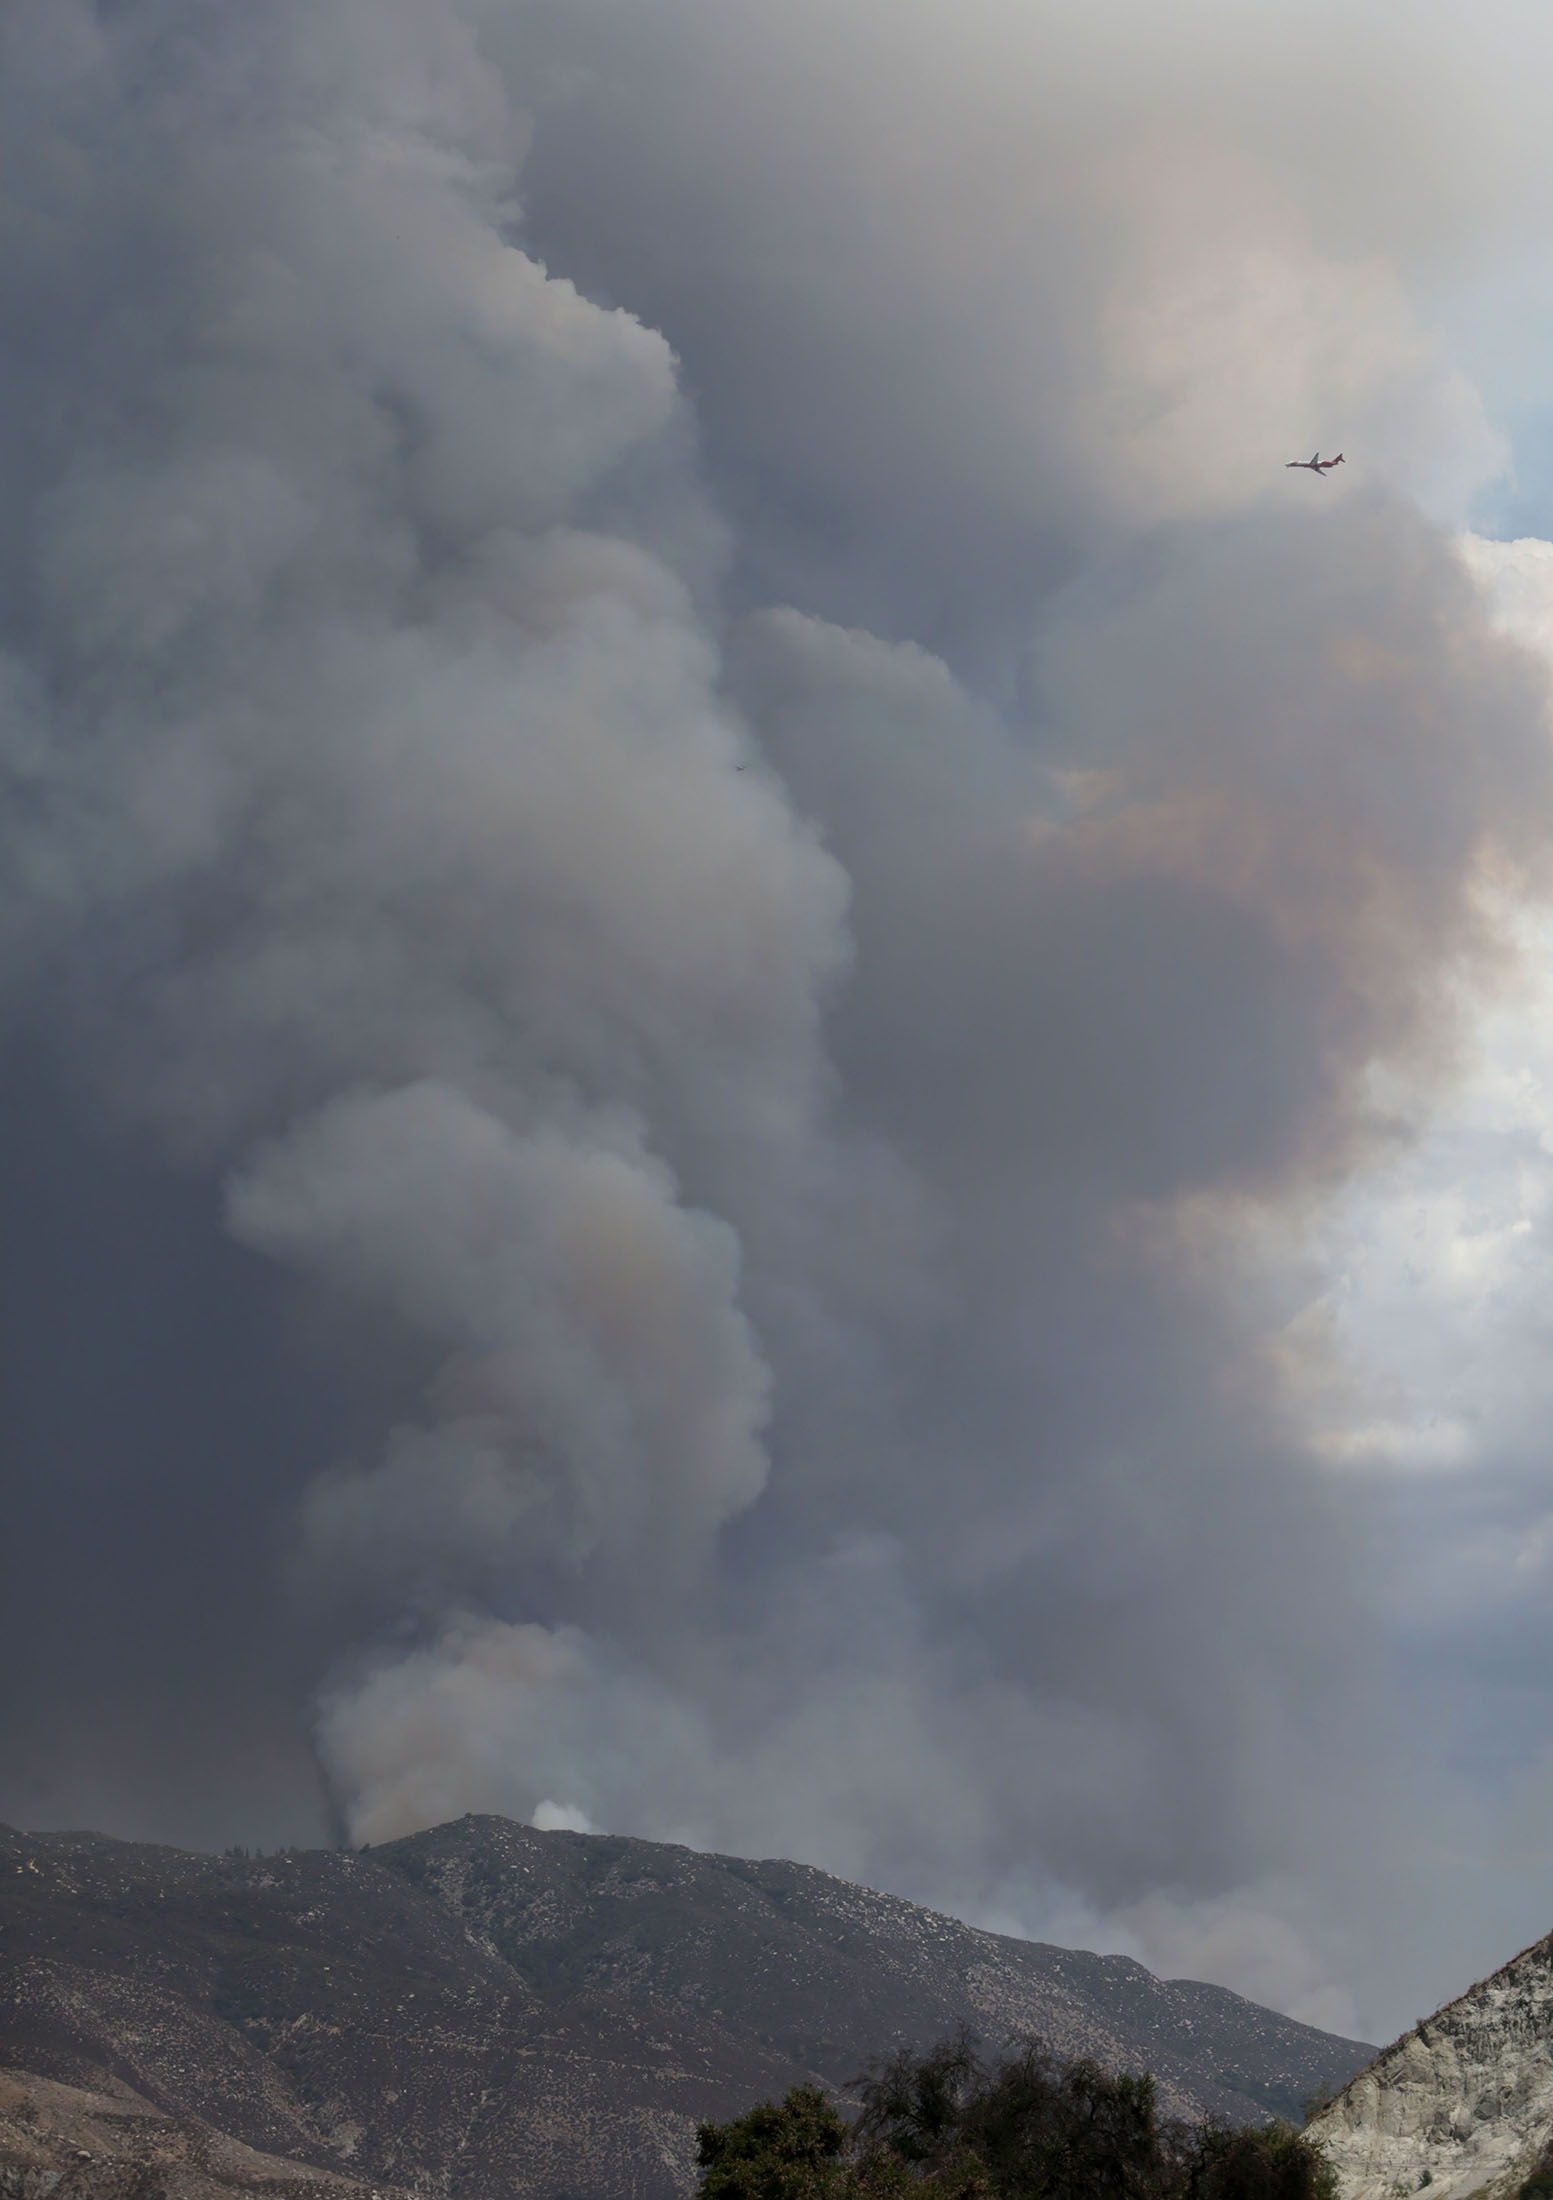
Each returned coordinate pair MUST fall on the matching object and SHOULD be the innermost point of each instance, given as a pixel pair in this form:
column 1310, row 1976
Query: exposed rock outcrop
column 1463, row 2104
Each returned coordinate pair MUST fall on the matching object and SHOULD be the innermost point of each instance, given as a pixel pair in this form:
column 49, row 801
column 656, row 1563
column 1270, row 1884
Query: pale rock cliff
column 1461, row 2105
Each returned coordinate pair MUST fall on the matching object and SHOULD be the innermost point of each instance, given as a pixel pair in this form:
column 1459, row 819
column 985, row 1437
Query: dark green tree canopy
column 949, row 2126
column 789, row 2153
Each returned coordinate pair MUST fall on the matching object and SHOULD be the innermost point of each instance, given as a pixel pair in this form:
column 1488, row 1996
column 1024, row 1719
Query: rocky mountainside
column 1462, row 2104
column 484, row 2010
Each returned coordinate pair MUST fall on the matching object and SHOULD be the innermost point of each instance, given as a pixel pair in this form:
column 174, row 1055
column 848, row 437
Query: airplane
column 1315, row 464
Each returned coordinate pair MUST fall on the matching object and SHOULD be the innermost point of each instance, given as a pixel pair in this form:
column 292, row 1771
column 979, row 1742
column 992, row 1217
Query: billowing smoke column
column 766, row 1118
column 370, row 780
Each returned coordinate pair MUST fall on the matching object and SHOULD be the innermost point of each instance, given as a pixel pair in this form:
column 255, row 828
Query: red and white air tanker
column 1316, row 464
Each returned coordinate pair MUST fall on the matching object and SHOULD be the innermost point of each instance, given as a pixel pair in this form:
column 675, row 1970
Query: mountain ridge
column 482, row 2008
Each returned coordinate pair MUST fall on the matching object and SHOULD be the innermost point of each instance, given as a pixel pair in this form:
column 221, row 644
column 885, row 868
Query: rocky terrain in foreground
column 1462, row 2104
column 59, row 2142
column 484, row 2010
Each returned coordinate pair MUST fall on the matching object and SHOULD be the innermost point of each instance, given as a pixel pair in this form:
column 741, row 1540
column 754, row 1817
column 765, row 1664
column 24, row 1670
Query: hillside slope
column 484, row 2010
column 1463, row 2103
column 830, row 1973
column 58, row 2142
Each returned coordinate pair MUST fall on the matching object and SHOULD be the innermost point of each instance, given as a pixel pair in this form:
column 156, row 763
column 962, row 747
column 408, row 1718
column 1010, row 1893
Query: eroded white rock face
column 1463, row 2104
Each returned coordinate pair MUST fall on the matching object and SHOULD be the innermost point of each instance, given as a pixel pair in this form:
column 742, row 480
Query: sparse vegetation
column 1539, row 2185
column 950, row 2126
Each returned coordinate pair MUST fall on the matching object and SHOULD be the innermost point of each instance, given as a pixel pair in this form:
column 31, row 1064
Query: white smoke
column 596, row 1361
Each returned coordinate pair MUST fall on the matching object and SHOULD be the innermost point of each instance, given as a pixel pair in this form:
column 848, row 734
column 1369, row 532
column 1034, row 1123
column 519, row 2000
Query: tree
column 791, row 2152
column 914, row 2106
column 1272, row 2162
column 948, row 2126
column 1052, row 2130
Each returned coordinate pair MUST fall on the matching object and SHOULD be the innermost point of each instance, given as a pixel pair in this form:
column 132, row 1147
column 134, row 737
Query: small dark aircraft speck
column 1316, row 464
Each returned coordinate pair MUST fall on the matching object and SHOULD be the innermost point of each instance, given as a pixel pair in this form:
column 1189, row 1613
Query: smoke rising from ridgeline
column 753, row 889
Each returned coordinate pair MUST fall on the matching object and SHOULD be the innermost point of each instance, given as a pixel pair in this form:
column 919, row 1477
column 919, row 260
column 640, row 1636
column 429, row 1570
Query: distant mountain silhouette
column 484, row 2010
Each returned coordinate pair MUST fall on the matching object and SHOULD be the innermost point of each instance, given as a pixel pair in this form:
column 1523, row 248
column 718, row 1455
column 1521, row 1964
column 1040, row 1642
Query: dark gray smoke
column 703, row 869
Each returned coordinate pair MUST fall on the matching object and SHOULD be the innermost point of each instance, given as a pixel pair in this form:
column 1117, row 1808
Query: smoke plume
column 712, row 899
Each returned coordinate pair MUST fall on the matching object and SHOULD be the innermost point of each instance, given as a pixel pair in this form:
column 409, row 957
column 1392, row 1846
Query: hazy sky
column 778, row 1054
